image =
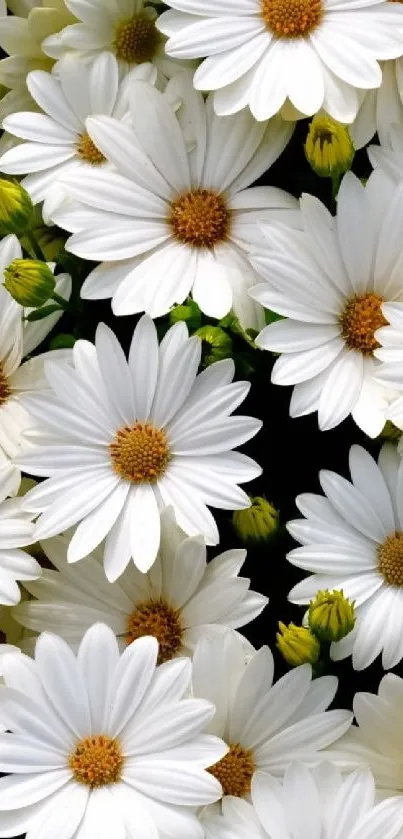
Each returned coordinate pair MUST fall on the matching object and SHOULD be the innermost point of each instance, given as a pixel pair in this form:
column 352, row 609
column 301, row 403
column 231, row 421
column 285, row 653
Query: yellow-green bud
column 29, row 281
column 258, row 522
column 16, row 208
column 219, row 344
column 329, row 148
column 390, row 432
column 331, row 616
column 297, row 645
column 50, row 240
column 188, row 312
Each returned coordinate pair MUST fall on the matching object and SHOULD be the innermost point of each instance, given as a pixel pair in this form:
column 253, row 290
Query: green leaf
column 39, row 314
column 62, row 342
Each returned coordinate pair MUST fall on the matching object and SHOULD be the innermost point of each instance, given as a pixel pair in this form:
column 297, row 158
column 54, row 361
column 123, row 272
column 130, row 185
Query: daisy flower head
column 127, row 28
column 391, row 354
column 388, row 157
column 265, row 54
column 381, row 109
column 108, row 742
column 330, row 282
column 56, row 142
column 321, row 803
column 16, row 531
column 376, row 739
column 180, row 600
column 19, row 338
column 265, row 725
column 21, row 37
column 177, row 217
column 5, row 649
column 352, row 540
column 315, row 803
column 122, row 439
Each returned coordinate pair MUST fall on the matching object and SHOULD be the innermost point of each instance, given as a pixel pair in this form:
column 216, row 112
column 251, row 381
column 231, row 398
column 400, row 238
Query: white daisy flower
column 19, row 339
column 320, row 803
column 388, row 160
column 177, row 218
column 389, row 155
column 381, row 109
column 21, row 36
column 376, row 741
column 264, row 53
column 331, row 282
column 353, row 540
column 5, row 649
column 309, row 803
column 102, row 743
column 266, row 726
column 121, row 440
column 57, row 143
column 179, row 601
column 391, row 353
column 16, row 532
column 127, row 28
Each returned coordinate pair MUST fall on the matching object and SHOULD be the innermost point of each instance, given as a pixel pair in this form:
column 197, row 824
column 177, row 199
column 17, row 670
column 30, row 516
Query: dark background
column 290, row 451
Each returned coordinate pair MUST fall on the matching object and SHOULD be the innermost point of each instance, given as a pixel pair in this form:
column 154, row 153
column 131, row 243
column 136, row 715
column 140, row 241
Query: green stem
column 64, row 304
column 35, row 246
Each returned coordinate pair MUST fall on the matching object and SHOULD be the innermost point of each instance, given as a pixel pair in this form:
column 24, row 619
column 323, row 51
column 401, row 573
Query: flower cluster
column 201, row 200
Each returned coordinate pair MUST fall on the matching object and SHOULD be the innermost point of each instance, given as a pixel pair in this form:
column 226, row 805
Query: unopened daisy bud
column 329, row 148
column 16, row 208
column 331, row 616
column 29, row 281
column 297, row 645
column 390, row 432
column 188, row 312
column 258, row 522
column 217, row 344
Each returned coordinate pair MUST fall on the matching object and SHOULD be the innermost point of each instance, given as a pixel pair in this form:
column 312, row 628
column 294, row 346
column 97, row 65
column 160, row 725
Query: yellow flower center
column 5, row 391
column 200, row 218
column 140, row 453
column 292, row 18
column 136, row 40
column 235, row 771
column 360, row 320
column 97, row 761
column 390, row 559
column 157, row 618
column 87, row 150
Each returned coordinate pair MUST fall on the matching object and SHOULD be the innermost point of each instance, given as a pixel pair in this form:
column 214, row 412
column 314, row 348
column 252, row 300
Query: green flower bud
column 258, row 522
column 331, row 616
column 297, row 645
column 189, row 312
column 217, row 344
column 390, row 432
column 16, row 208
column 329, row 148
column 30, row 282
